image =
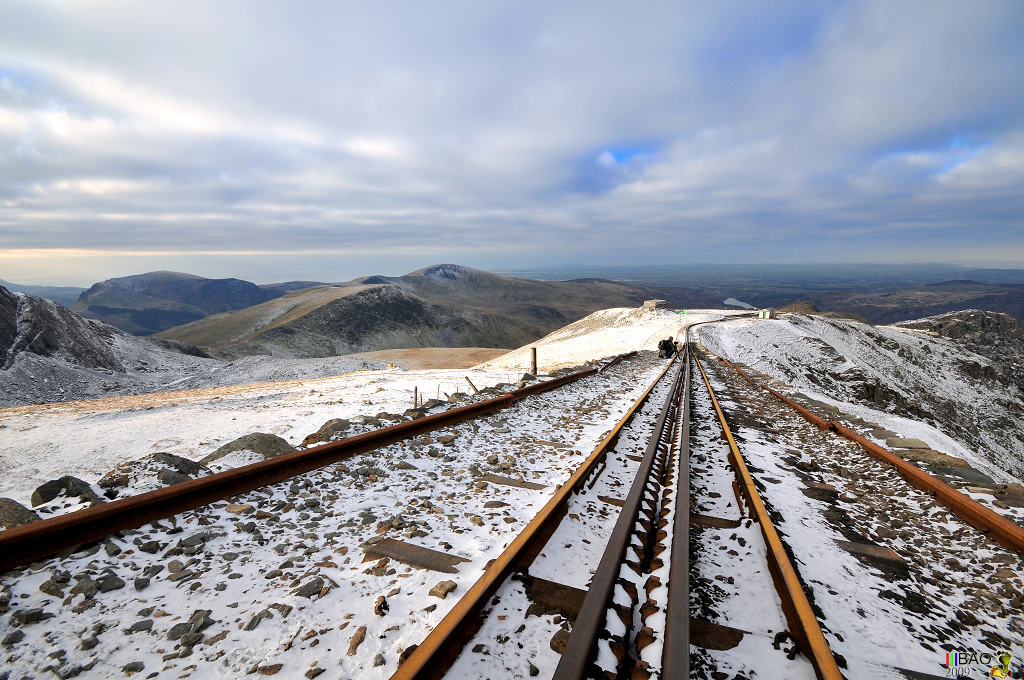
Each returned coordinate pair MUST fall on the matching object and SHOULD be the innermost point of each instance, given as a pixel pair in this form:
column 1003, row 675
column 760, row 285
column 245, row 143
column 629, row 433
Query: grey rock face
column 33, row 324
column 266, row 445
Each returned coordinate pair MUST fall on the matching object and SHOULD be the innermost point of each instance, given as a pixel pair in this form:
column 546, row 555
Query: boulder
column 69, row 486
column 14, row 514
column 327, row 431
column 266, row 445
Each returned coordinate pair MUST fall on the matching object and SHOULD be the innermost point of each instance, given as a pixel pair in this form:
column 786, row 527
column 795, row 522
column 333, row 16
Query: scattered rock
column 357, row 639
column 12, row 638
column 442, row 589
column 170, row 477
column 310, row 588
column 380, row 606
column 108, row 583
column 327, row 431
column 314, row 672
column 266, row 445
column 378, row 660
column 559, row 640
column 133, row 667
column 271, row 669
column 24, row 617
column 143, row 626
column 69, row 486
column 406, row 653
column 14, row 514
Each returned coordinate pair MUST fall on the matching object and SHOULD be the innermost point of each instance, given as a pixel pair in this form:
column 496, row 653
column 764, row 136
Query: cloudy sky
column 322, row 140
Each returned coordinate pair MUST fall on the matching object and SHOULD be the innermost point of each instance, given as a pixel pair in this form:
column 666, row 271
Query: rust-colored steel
column 30, row 542
column 808, row 415
column 433, row 656
column 577, row 656
column 803, row 624
column 995, row 526
column 1001, row 530
column 617, row 360
column 675, row 660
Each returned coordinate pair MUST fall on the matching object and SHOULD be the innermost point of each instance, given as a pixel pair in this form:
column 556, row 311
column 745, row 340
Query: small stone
column 177, row 630
column 85, row 586
column 109, row 582
column 310, row 588
column 151, row 547
column 237, row 508
column 12, row 637
column 142, row 626
column 89, row 642
column 442, row 589
column 357, row 639
column 174, row 566
column 14, row 514
column 272, row 669
column 380, row 606
column 141, row 583
column 406, row 653
column 133, row 667
column 378, row 660
column 490, row 505
column 534, row 671
column 559, row 640
column 314, row 672
column 476, row 520
column 191, row 639
column 24, row 617
column 51, row 587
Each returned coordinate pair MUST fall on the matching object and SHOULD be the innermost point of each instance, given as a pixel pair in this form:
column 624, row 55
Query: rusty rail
column 576, row 659
column 1001, row 530
column 803, row 624
column 675, row 664
column 437, row 652
column 44, row 538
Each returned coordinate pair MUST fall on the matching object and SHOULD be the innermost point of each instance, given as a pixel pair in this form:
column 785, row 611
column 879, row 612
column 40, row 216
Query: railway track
column 896, row 577
column 24, row 544
column 674, row 549
column 346, row 565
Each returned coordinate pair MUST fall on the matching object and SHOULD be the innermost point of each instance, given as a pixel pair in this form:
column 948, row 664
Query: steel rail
column 576, row 659
column 433, row 656
column 47, row 537
column 675, row 663
column 803, row 624
column 998, row 528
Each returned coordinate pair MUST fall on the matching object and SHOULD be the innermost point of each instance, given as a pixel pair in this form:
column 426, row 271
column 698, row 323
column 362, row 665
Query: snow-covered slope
column 606, row 333
column 886, row 370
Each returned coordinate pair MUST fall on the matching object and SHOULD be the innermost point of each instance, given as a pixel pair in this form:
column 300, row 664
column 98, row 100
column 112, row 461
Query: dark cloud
column 515, row 133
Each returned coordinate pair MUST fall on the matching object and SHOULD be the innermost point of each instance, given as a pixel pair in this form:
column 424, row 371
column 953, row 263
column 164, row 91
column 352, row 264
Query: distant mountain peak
column 452, row 272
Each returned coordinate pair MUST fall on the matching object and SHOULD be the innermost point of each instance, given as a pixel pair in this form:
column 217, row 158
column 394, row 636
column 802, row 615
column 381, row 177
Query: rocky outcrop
column 32, row 324
column 266, row 445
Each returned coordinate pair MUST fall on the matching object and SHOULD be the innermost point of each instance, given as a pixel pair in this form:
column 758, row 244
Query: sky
column 322, row 140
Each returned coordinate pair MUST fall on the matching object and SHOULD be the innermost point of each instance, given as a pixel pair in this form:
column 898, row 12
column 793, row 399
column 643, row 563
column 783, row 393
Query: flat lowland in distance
column 434, row 357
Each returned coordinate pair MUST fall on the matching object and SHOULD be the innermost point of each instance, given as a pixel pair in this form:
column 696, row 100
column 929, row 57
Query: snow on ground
column 275, row 582
column 830, row 360
column 88, row 438
column 952, row 590
column 605, row 333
